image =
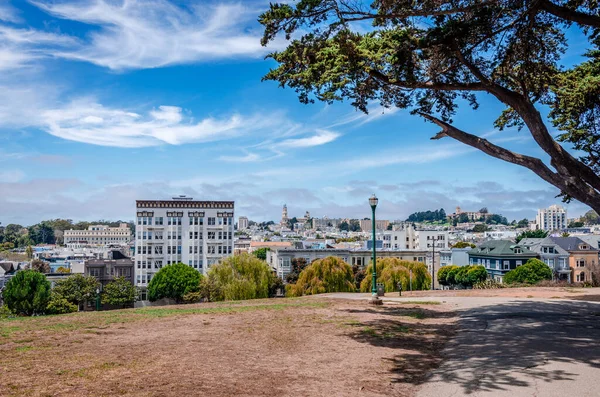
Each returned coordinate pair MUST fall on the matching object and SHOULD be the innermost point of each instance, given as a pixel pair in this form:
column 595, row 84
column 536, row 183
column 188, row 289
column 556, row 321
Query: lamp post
column 97, row 299
column 374, row 298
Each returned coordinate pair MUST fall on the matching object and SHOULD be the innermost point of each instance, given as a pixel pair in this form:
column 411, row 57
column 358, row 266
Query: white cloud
column 147, row 34
column 8, row 13
column 322, row 137
column 11, row 176
column 250, row 157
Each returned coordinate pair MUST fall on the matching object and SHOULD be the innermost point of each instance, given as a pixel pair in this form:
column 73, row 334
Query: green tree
column 119, row 292
column 59, row 305
column 442, row 274
column 344, row 226
column 480, row 228
column 329, row 274
column 431, row 56
column 391, row 271
column 576, row 224
column 40, row 266
column 532, row 272
column 531, row 234
column 77, row 288
column 261, row 253
column 463, row 244
column 591, row 217
column 523, row 223
column 451, row 275
column 241, row 277
column 476, row 274
column 298, row 264
column 27, row 293
column 354, row 225
column 29, row 252
column 173, row 282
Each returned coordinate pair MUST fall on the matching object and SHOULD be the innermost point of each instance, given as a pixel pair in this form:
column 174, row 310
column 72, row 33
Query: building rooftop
column 501, row 247
column 571, row 243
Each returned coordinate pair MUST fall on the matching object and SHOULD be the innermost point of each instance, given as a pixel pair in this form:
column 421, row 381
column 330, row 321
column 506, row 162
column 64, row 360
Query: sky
column 103, row 102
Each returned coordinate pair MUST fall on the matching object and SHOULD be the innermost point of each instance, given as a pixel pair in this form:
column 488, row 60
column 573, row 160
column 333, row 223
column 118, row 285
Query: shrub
column 192, row 297
column 174, row 281
column 119, row 292
column 476, row 274
column 240, row 277
column 533, row 271
column 27, row 293
column 40, row 266
column 460, row 276
column 77, row 288
column 329, row 274
column 443, row 272
column 451, row 276
column 60, row 305
column 488, row 284
column 391, row 271
column 5, row 312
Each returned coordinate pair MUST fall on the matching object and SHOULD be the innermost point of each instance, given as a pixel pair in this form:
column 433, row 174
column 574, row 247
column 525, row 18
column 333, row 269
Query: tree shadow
column 495, row 346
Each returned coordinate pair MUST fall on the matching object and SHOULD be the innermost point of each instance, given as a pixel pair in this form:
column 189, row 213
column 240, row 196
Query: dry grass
column 279, row 347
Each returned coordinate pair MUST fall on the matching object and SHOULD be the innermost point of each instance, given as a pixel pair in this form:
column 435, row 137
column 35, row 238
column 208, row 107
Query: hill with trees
column 428, row 216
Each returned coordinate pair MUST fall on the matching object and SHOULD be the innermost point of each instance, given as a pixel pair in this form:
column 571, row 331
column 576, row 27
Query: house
column 455, row 256
column 552, row 255
column 583, row 258
column 500, row 256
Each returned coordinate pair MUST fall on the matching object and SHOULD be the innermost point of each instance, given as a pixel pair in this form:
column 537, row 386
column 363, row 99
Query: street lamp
column 97, row 299
column 374, row 298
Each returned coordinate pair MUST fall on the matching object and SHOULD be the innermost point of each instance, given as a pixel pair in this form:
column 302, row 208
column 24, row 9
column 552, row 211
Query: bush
column 174, row 281
column 240, row 277
column 77, row 288
column 476, row 274
column 192, row 297
column 329, row 274
column 391, row 271
column 27, row 293
column 443, row 272
column 5, row 312
column 533, row 271
column 488, row 284
column 60, row 305
column 119, row 292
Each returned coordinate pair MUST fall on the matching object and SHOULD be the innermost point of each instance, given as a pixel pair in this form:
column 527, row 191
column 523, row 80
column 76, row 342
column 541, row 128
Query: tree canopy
column 429, row 56
column 428, row 216
column 27, row 293
column 329, row 274
column 391, row 271
column 119, row 292
column 174, row 281
column 533, row 271
column 531, row 234
column 77, row 288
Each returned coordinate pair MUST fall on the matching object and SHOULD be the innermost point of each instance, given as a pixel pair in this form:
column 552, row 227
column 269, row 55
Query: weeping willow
column 329, row 274
column 391, row 271
column 239, row 277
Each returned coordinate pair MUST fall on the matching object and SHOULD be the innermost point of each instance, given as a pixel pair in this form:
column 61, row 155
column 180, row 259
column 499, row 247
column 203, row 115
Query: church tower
column 284, row 215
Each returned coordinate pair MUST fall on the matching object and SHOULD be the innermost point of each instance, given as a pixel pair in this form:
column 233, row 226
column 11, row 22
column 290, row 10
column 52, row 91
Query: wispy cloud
column 250, row 157
column 8, row 13
column 150, row 34
column 320, row 138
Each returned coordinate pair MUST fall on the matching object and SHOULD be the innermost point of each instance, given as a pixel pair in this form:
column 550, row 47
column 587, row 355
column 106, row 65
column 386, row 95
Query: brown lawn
column 279, row 347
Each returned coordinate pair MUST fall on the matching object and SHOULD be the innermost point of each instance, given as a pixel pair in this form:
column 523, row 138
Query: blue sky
column 104, row 102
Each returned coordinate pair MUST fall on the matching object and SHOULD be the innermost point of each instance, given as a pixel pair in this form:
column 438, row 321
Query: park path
column 517, row 347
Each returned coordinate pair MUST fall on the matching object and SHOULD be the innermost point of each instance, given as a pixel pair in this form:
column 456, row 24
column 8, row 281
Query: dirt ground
column 531, row 292
column 279, row 347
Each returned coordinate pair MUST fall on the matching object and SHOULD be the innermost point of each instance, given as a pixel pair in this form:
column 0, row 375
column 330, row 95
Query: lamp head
column 373, row 201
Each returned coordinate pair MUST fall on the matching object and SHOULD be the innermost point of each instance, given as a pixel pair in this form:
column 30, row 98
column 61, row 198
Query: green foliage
column 442, row 274
column 488, row 284
column 576, row 224
column 29, row 252
column 523, row 223
column 531, row 234
column 533, row 271
column 119, row 292
column 59, row 305
column 298, row 264
column 275, row 286
column 476, row 274
column 463, row 244
column 480, row 228
column 261, row 253
column 431, row 56
column 465, row 276
column 27, row 293
column 192, row 297
column 5, row 312
column 391, row 271
column 240, row 277
column 174, row 281
column 77, row 288
column 329, row 274
column 428, row 216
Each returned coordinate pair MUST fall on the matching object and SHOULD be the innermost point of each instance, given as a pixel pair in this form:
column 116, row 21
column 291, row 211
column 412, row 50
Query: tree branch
column 428, row 84
column 569, row 14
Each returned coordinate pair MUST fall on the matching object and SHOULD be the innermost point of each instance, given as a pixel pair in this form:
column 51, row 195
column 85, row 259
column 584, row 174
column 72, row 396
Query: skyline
column 102, row 104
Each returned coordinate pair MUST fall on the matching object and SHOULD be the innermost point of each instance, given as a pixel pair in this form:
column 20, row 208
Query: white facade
column 242, row 223
column 98, row 235
column 551, row 218
column 409, row 238
column 197, row 233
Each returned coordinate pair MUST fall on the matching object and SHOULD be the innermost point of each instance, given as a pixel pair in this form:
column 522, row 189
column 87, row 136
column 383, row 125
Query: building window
column 211, row 221
column 581, row 277
column 506, row 265
column 580, row 262
column 519, row 263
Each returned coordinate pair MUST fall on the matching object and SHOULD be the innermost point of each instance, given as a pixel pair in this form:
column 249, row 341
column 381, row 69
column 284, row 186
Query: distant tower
column 458, row 211
column 284, row 215
column 307, row 215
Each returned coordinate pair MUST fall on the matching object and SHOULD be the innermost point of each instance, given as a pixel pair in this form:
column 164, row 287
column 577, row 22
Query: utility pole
column 433, row 267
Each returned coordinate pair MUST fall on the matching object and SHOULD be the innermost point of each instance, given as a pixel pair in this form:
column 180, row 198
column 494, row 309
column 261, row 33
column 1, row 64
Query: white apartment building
column 242, row 223
column 197, row 233
column 98, row 236
column 551, row 218
column 409, row 238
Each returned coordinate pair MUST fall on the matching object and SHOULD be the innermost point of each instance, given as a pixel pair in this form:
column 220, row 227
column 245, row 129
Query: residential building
column 280, row 259
column 242, row 223
column 324, row 223
column 500, row 256
column 197, row 233
column 472, row 216
column 583, row 258
column 454, row 256
column 551, row 218
column 552, row 254
column 98, row 236
column 366, row 225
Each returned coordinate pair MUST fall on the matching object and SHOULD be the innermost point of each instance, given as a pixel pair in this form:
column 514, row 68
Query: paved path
column 518, row 347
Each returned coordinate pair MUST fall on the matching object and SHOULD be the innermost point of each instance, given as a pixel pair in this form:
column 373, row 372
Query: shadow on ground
column 494, row 346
